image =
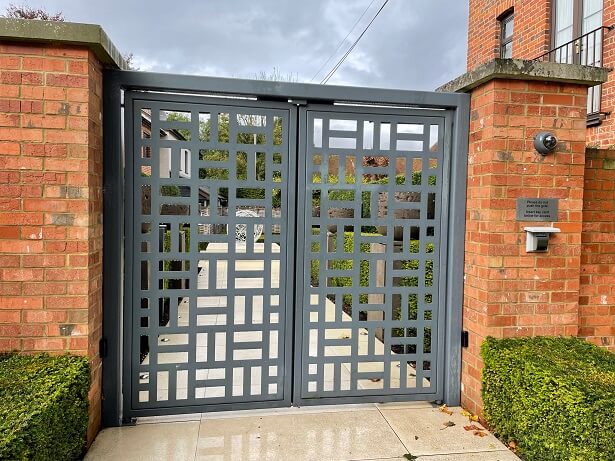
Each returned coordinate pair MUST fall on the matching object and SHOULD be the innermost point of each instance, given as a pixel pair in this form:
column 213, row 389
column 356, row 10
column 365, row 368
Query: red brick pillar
column 507, row 291
column 51, row 202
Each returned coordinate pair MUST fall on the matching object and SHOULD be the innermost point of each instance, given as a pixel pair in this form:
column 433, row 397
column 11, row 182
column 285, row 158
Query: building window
column 572, row 20
column 184, row 167
column 507, row 23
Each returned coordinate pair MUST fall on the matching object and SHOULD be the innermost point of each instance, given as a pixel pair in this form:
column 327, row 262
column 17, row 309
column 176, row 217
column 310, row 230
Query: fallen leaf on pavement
column 444, row 409
column 479, row 433
column 469, row 415
column 472, row 427
column 447, row 424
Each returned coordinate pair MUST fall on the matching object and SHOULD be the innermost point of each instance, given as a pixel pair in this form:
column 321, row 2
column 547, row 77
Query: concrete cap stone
column 91, row 36
column 518, row 69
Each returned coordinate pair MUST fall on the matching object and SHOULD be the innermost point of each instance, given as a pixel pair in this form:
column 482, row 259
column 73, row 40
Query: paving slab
column 337, row 433
column 146, row 442
column 344, row 435
column 423, row 432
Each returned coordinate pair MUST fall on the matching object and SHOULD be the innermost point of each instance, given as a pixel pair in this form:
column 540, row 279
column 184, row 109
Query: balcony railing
column 585, row 50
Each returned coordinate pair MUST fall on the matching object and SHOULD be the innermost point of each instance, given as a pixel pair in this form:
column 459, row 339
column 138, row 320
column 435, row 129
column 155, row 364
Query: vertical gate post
column 51, row 218
column 508, row 291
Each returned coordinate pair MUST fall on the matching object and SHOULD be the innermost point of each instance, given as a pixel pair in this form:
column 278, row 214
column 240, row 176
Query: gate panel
column 208, row 252
column 371, row 318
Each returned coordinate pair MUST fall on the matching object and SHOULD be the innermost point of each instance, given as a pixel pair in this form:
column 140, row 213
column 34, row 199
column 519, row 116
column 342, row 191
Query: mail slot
column 537, row 239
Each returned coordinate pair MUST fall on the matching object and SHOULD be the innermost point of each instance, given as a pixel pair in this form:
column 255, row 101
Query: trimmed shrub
column 349, row 195
column 555, row 397
column 43, row 407
column 413, row 264
column 346, row 264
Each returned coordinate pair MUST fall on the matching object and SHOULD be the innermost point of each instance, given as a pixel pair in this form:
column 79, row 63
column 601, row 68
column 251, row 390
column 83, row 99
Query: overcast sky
column 413, row 44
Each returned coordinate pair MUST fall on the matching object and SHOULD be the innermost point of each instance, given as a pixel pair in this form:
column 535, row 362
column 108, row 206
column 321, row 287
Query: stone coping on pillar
column 518, row 69
column 91, row 36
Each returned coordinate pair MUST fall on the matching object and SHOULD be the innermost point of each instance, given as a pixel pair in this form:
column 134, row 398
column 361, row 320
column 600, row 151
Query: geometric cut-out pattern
column 209, row 310
column 372, row 226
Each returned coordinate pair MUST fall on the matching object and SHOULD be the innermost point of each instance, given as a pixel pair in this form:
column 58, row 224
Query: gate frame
column 299, row 94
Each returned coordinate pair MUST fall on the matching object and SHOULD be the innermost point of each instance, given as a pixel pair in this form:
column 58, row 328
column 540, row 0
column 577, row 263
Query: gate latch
column 103, row 348
column 465, row 338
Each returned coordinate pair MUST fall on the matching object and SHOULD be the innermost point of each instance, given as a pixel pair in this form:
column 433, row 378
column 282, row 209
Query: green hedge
column 343, row 264
column 554, row 397
column 349, row 195
column 399, row 179
column 413, row 264
column 346, row 264
column 43, row 407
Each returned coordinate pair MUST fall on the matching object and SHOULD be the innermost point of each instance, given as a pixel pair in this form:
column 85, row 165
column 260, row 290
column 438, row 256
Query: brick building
column 507, row 291
column 564, row 31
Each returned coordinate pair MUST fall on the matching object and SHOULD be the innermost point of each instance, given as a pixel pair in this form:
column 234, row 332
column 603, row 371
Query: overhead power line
column 343, row 58
column 343, row 40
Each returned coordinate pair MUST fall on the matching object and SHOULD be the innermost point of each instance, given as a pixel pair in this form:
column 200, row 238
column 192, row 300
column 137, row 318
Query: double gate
column 279, row 249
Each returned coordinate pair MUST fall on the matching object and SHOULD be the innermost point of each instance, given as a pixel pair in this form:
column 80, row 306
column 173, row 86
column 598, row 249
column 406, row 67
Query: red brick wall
column 509, row 292
column 50, row 203
column 531, row 32
column 597, row 300
column 604, row 134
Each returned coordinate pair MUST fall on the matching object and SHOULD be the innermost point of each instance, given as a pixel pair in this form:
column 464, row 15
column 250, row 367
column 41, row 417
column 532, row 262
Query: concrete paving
column 341, row 433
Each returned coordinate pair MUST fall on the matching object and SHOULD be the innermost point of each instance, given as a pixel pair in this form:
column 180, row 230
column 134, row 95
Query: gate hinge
column 465, row 338
column 103, row 348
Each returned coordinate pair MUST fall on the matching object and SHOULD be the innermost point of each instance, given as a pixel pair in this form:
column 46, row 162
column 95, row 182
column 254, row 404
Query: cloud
column 413, row 44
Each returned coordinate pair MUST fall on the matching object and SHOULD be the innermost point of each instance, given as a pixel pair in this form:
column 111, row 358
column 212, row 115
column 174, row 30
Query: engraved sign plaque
column 537, row 209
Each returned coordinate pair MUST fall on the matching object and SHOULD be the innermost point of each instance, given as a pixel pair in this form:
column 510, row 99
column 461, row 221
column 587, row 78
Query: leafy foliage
column 411, row 264
column 349, row 195
column 27, row 12
column 552, row 397
column 43, row 407
column 241, row 159
column 413, row 300
column 346, row 264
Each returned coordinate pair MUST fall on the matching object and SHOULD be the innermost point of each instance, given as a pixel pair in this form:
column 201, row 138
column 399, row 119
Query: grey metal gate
column 371, row 321
column 279, row 244
column 208, row 251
